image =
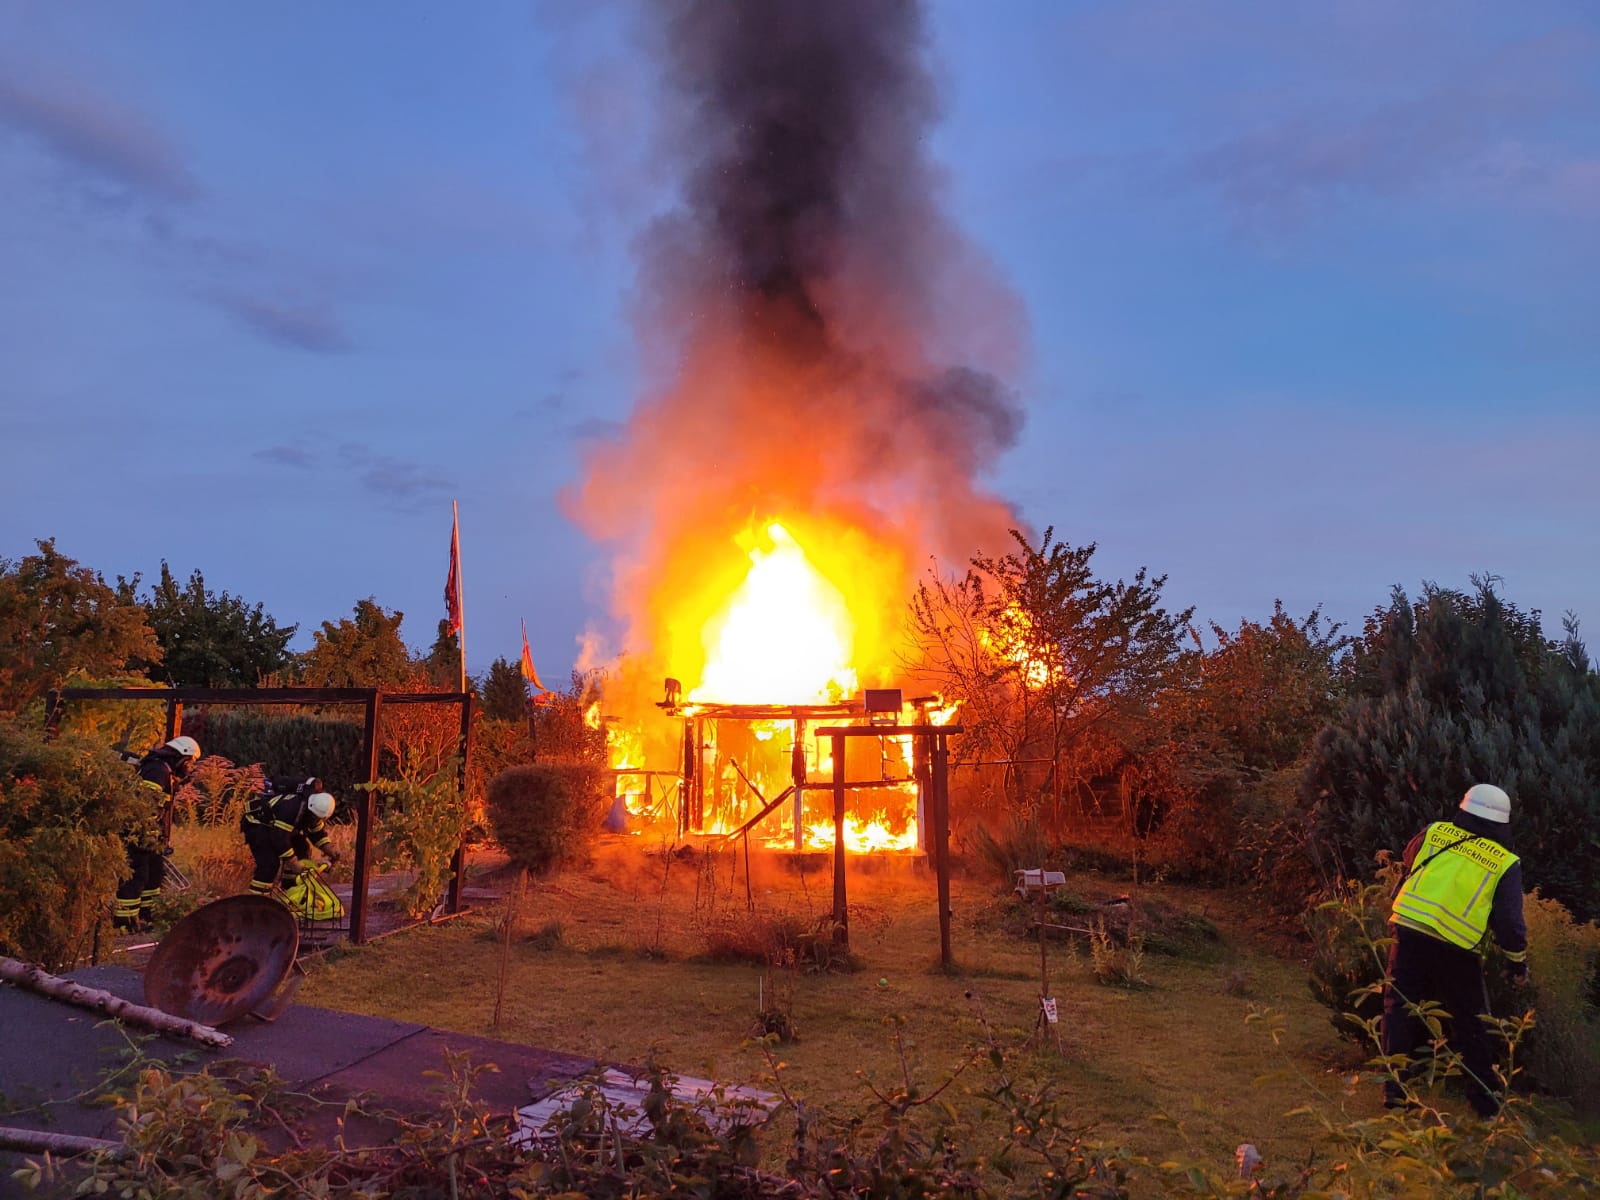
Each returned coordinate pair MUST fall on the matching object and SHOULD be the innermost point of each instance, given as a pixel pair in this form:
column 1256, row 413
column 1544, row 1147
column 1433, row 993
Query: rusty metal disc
column 222, row 960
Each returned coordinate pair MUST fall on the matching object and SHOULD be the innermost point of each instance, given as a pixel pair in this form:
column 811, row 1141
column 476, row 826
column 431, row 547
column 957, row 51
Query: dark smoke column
column 827, row 341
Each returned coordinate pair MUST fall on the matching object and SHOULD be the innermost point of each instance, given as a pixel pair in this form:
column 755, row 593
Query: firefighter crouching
column 162, row 771
column 281, row 825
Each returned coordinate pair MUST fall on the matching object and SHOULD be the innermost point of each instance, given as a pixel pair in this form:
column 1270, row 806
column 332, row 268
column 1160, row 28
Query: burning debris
column 836, row 353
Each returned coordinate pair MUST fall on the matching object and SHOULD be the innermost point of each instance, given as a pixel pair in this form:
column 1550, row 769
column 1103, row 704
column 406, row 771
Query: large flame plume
column 827, row 355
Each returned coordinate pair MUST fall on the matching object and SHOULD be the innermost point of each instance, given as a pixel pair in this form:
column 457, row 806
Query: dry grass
column 629, row 978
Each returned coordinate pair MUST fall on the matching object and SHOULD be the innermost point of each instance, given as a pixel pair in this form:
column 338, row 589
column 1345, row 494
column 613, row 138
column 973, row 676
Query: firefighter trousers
column 267, row 852
column 136, row 895
column 1423, row 968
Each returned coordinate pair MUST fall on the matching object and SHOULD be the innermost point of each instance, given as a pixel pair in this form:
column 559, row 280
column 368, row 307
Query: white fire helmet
column 185, row 746
column 321, row 805
column 1487, row 801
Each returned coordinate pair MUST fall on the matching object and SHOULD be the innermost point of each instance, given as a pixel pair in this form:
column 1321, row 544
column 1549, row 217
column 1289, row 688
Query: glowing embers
column 874, row 837
column 786, row 635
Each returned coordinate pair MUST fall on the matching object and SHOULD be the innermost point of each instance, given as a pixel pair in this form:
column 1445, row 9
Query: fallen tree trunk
column 35, row 979
column 64, row 1144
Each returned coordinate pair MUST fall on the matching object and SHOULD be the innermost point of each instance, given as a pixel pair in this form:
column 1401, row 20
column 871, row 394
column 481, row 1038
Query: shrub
column 215, row 859
column 64, row 806
column 217, row 792
column 133, row 725
column 422, row 826
column 1274, row 854
column 1116, row 963
column 496, row 746
column 547, row 814
column 1350, row 950
column 1019, row 845
column 296, row 743
column 1562, row 1051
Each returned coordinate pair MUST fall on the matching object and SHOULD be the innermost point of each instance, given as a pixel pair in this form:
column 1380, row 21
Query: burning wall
column 829, row 357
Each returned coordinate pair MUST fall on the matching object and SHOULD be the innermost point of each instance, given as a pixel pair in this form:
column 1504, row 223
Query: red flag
column 452, row 584
column 528, row 672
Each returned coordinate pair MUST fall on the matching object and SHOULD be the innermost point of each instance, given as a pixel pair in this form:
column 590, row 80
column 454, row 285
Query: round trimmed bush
column 547, row 814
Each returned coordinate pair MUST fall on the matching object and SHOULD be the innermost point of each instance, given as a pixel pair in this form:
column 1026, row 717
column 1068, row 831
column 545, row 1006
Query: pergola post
column 841, row 908
column 366, row 808
column 941, row 840
column 458, row 861
column 938, row 802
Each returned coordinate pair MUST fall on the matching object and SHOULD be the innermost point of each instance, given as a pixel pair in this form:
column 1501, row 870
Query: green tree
column 361, row 650
column 209, row 640
column 1456, row 688
column 59, row 620
column 505, row 692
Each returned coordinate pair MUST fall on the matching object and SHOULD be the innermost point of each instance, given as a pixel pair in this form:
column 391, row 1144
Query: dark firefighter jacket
column 277, row 815
column 160, row 772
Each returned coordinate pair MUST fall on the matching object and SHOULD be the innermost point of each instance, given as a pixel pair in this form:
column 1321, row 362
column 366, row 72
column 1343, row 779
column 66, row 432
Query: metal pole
column 461, row 607
column 941, row 840
column 458, row 861
column 841, row 909
column 365, row 807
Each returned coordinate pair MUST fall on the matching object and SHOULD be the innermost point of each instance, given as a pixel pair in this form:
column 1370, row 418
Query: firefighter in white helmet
column 281, row 825
column 161, row 771
column 1462, row 883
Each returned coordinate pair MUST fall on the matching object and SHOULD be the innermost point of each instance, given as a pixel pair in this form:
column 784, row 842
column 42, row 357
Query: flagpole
column 461, row 634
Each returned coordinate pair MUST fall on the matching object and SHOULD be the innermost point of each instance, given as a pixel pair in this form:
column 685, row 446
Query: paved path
column 51, row 1054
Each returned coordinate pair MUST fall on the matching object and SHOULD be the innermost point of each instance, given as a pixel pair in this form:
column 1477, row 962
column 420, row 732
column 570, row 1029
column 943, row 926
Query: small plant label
column 1049, row 1003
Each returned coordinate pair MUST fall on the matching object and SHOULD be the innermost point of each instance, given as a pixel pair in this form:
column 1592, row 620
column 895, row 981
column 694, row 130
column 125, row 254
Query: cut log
column 64, row 1144
column 36, row 979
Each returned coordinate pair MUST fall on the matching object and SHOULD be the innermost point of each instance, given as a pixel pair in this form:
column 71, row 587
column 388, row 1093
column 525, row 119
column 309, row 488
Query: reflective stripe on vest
column 1450, row 891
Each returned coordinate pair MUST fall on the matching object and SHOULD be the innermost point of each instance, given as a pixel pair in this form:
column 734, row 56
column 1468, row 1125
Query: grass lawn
column 628, row 978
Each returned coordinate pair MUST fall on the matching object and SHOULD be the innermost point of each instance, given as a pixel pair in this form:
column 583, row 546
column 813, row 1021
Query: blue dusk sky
column 1309, row 293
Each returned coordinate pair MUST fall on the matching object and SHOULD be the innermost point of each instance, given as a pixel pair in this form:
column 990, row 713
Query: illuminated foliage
column 59, row 620
column 64, row 806
column 361, row 650
column 1049, row 660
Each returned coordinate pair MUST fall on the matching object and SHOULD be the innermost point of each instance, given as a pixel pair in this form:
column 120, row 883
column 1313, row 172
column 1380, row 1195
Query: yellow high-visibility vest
column 1450, row 889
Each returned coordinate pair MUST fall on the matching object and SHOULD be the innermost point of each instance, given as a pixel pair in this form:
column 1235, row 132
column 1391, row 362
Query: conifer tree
column 1459, row 688
column 505, row 693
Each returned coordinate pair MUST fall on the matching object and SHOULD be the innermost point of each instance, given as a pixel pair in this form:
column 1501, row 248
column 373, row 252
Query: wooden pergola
column 372, row 701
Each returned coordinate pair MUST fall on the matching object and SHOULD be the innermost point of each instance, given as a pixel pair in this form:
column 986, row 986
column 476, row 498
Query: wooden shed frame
column 372, row 701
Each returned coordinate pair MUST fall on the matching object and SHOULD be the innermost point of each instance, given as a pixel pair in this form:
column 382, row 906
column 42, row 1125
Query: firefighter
column 162, row 770
column 281, row 825
column 1462, row 883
